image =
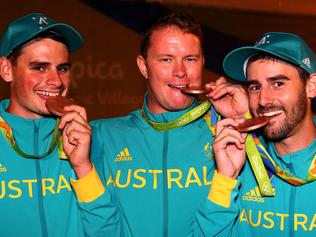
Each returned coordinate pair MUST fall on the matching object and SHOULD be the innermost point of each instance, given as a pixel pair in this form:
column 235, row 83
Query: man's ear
column 6, row 69
column 141, row 63
column 311, row 86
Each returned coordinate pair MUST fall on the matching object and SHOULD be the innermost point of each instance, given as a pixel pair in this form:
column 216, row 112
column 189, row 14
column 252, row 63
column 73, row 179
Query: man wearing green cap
column 36, row 198
column 279, row 71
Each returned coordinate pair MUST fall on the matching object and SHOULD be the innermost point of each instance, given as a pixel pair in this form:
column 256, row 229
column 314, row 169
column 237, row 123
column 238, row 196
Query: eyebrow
column 171, row 55
column 65, row 64
column 194, row 55
column 270, row 79
column 39, row 63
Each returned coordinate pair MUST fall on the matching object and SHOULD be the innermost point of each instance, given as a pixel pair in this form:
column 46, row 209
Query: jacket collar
column 23, row 127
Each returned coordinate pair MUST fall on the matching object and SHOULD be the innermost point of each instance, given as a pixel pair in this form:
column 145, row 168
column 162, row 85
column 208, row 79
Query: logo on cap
column 41, row 21
column 307, row 62
column 262, row 41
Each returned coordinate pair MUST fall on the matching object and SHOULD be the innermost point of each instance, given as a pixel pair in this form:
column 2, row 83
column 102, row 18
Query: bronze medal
column 196, row 90
column 252, row 124
column 56, row 104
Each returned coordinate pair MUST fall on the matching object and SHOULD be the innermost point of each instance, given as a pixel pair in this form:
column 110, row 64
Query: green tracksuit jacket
column 156, row 181
column 292, row 212
column 36, row 198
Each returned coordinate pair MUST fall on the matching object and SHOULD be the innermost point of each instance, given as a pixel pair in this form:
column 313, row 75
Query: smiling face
column 174, row 61
column 41, row 70
column 277, row 91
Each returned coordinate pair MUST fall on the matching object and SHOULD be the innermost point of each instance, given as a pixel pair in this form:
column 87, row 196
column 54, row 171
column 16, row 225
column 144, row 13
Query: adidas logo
column 123, row 156
column 307, row 62
column 2, row 169
column 253, row 195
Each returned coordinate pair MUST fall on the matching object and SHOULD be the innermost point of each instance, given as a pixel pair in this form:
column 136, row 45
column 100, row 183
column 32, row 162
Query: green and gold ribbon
column 260, row 160
column 258, row 167
column 186, row 118
column 56, row 141
column 283, row 174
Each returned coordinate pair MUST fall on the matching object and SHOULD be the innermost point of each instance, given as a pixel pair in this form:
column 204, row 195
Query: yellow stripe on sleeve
column 221, row 189
column 89, row 187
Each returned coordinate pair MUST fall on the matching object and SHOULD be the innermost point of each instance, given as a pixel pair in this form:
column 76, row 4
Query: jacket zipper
column 292, row 205
column 39, row 184
column 165, row 184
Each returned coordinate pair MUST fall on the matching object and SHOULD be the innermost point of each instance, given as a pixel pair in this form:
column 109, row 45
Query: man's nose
column 179, row 69
column 265, row 97
column 54, row 78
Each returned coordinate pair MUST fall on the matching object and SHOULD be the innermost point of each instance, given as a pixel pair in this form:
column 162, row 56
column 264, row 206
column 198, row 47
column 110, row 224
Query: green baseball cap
column 27, row 27
column 285, row 46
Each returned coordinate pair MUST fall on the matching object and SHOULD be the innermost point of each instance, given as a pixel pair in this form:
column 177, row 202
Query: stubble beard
column 293, row 116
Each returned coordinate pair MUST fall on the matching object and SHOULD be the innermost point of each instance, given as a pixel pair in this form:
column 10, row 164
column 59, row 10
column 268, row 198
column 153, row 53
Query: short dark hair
column 184, row 22
column 45, row 35
column 303, row 74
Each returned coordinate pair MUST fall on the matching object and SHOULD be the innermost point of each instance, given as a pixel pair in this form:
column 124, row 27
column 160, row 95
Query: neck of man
column 301, row 137
column 12, row 109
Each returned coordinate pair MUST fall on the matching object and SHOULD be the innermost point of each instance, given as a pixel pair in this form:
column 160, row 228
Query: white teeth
column 46, row 93
column 178, row 86
column 272, row 113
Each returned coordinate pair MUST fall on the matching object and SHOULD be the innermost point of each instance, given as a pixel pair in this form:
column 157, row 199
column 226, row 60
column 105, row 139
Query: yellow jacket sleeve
column 89, row 187
column 221, row 189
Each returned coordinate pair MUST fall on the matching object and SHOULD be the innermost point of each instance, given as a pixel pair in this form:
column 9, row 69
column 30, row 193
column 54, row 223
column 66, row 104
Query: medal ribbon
column 186, row 118
column 255, row 159
column 256, row 163
column 260, row 159
column 56, row 140
column 283, row 174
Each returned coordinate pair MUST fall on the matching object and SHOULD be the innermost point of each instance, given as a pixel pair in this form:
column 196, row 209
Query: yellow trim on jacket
column 88, row 188
column 221, row 189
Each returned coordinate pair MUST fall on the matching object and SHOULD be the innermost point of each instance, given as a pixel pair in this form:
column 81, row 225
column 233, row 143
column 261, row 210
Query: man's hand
column 229, row 148
column 230, row 100
column 76, row 136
